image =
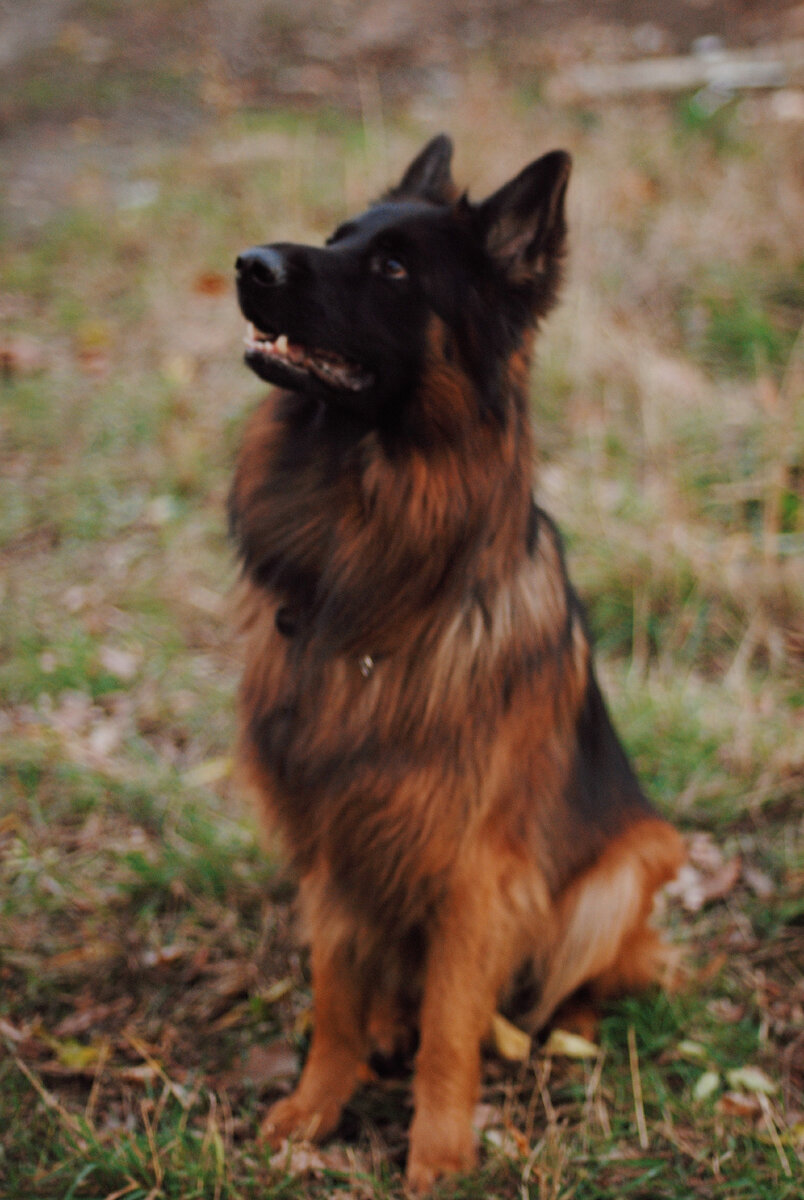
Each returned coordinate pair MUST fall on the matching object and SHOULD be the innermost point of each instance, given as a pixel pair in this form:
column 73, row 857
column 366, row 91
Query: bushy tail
column 602, row 937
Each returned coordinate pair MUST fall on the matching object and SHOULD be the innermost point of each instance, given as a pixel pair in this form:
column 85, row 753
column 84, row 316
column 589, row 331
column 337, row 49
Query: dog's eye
column 390, row 267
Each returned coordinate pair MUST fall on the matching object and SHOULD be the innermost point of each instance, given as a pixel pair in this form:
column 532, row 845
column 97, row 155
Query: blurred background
column 151, row 993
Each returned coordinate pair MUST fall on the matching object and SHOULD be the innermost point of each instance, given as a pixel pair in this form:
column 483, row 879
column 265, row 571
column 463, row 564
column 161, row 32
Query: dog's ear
column 523, row 224
column 428, row 177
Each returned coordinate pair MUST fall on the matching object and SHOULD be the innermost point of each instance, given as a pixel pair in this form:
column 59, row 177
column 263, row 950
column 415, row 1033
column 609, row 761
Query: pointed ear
column 428, row 177
column 523, row 223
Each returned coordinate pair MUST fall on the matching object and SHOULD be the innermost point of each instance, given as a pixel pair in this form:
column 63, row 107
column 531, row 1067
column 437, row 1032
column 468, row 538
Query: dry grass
column 146, row 945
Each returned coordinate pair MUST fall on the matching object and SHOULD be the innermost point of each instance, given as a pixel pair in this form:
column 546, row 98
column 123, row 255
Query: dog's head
column 352, row 322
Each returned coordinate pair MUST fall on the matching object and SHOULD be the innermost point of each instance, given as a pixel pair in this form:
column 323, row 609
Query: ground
column 153, row 993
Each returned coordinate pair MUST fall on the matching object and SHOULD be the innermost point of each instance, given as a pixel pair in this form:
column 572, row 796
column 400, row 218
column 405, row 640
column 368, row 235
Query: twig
column 773, row 1132
column 152, row 1146
column 51, row 1102
column 542, row 1076
column 131, row 1186
column 636, row 1084
column 177, row 1091
column 594, row 1099
column 103, row 1058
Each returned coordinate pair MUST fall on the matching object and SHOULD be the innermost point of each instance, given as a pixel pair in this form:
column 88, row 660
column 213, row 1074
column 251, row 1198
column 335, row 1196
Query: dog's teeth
column 281, row 344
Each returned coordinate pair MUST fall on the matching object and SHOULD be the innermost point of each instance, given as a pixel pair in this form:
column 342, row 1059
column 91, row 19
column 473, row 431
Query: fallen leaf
column 712, row 968
column 570, row 1045
column 692, row 1050
column 301, row 1158
column 738, row 1104
column 487, row 1116
column 163, row 955
column 704, row 853
column 760, row 883
column 86, row 1018
column 212, row 770
column 508, row 1142
column 751, row 1079
column 233, row 1016
column 76, row 1056
column 687, row 887
column 723, row 882
column 142, row 1074
column 91, row 953
column 726, row 1010
column 303, row 1023
column 707, row 1085
column 510, row 1042
column 276, row 991
column 696, row 886
column 211, row 283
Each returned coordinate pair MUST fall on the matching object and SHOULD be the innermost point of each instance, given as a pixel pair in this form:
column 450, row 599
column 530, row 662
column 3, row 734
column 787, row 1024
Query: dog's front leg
column 460, row 991
column 337, row 1052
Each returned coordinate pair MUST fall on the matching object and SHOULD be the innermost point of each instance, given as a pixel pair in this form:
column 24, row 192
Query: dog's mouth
column 294, row 363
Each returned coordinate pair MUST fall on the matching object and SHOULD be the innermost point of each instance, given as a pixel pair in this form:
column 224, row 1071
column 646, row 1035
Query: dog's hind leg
column 602, row 937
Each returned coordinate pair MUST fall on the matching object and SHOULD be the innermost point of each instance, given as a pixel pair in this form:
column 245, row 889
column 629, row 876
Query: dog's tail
column 601, row 936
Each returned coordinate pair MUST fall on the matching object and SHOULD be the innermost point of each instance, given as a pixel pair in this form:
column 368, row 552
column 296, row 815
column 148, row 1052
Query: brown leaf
column 738, row 1104
column 727, row 1010
column 161, row 956
column 142, row 1074
column 90, row 954
column 723, row 882
column 211, row 283
column 91, row 1016
column 706, row 876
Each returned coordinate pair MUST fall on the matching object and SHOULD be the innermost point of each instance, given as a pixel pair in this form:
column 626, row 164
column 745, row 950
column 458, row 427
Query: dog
column 419, row 712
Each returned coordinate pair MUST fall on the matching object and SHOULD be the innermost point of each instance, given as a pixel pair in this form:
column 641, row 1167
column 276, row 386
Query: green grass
column 146, row 941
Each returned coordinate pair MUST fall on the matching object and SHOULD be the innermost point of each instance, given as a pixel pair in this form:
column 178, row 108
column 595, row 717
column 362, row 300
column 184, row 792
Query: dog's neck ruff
column 289, row 625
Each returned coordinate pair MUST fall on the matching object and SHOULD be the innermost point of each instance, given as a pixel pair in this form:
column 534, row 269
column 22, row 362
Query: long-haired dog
column 419, row 710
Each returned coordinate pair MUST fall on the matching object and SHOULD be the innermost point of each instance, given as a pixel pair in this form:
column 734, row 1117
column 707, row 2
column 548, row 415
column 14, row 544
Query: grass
column 147, row 949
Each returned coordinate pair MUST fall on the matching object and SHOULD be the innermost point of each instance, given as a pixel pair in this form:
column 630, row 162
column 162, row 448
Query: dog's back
column 419, row 709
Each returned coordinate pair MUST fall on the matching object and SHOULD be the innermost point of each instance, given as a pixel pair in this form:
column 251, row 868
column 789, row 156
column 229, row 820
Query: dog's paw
column 428, row 1164
column 291, row 1118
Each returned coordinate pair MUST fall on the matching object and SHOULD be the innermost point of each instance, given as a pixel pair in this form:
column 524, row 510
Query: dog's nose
column 262, row 265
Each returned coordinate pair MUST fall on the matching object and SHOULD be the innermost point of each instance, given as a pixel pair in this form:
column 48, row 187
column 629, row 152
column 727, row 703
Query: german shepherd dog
column 419, row 711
